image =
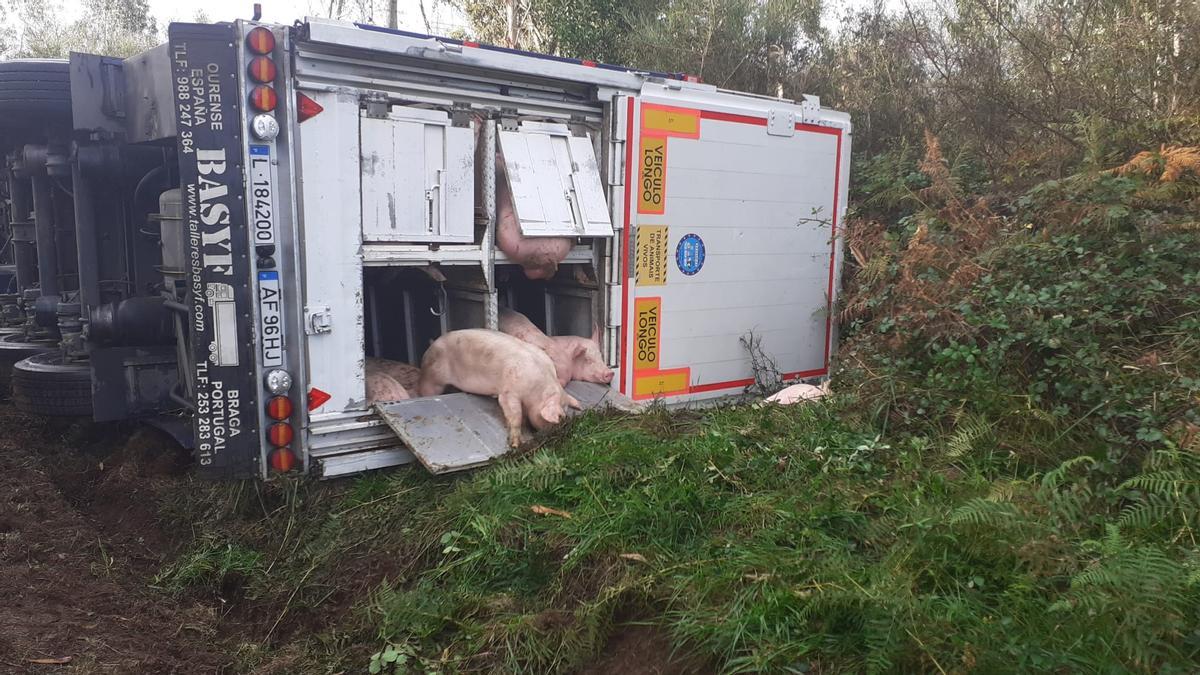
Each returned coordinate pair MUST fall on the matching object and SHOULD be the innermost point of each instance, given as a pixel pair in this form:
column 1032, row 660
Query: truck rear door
column 733, row 209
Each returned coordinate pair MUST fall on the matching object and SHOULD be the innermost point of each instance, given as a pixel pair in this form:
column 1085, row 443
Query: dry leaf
column 547, row 511
column 59, row 661
column 636, row 557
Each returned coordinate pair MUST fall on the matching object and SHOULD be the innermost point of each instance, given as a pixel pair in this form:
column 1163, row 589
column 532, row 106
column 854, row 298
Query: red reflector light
column 261, row 41
column 280, row 434
column 306, row 107
column 262, row 69
column 279, row 408
column 282, row 459
column 589, row 64
column 263, row 98
column 317, row 398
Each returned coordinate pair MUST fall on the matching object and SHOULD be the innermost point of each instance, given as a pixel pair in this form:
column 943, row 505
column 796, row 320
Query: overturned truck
column 221, row 234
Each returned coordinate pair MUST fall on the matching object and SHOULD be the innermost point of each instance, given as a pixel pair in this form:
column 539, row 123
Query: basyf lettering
column 224, row 383
column 214, row 212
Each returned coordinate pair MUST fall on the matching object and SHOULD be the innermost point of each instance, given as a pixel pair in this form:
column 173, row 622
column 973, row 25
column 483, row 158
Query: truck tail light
column 306, row 107
column 279, row 408
column 263, row 98
column 260, row 40
column 262, row 69
column 282, row 459
column 280, row 434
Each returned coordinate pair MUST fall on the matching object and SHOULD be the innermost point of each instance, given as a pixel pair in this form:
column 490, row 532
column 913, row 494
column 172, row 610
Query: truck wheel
column 45, row 384
column 13, row 348
column 34, row 91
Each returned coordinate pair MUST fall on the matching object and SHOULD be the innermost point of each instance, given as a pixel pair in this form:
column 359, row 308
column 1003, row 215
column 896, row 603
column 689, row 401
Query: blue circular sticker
column 689, row 254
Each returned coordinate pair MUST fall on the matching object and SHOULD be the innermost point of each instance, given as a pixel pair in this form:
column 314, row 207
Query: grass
column 1006, row 481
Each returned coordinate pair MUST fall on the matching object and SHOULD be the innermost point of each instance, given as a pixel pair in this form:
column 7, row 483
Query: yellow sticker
column 662, row 382
column 651, row 259
column 673, row 121
column 652, row 174
column 649, row 316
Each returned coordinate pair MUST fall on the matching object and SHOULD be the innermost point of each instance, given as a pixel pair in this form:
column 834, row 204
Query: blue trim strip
column 519, row 52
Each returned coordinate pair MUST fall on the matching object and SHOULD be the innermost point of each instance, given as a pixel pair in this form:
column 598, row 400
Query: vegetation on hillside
column 1008, row 478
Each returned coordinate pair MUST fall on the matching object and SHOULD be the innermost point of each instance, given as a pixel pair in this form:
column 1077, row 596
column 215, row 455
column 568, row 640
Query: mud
column 79, row 545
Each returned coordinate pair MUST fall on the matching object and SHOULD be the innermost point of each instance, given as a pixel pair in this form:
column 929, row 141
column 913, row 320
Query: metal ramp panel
column 456, row 432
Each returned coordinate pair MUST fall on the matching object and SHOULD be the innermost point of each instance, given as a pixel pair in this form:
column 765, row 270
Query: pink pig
column 575, row 358
column 538, row 256
column 402, row 373
column 383, row 387
column 799, row 392
column 490, row 363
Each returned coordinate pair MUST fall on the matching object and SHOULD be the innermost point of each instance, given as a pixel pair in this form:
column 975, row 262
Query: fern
column 1055, row 478
column 967, row 436
column 1168, row 492
column 980, row 512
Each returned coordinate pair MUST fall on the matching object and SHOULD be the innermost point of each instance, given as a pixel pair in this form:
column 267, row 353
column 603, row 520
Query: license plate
column 270, row 320
column 262, row 195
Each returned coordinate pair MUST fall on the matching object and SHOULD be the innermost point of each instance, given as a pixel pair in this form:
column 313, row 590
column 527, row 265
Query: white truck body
column 698, row 216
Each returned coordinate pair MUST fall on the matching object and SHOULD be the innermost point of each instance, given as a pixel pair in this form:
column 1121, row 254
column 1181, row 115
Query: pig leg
column 572, row 401
column 514, row 417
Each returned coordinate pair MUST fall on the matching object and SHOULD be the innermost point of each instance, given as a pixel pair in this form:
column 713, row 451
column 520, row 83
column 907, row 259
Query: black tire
column 34, row 92
column 45, row 384
column 13, row 348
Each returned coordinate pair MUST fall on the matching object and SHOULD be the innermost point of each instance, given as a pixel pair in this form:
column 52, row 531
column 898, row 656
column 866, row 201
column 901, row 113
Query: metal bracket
column 460, row 115
column 577, row 126
column 318, row 320
column 781, row 122
column 810, row 109
column 377, row 106
column 508, row 119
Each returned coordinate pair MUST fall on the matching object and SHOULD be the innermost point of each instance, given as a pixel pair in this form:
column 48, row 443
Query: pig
column 491, row 363
column 538, row 256
column 799, row 392
column 574, row 358
column 403, row 373
column 384, row 387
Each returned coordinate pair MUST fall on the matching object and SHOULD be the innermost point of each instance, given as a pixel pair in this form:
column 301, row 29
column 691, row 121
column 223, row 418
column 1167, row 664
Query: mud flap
column 455, row 432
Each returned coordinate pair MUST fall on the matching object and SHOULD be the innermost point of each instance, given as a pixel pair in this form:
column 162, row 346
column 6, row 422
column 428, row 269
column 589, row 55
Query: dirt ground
column 79, row 547
column 81, row 541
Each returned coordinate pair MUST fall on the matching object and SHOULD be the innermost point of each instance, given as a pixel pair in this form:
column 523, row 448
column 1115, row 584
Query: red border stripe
column 625, row 277
column 732, row 384
column 837, row 177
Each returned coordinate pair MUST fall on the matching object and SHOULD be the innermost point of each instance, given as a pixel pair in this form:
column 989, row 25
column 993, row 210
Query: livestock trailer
column 251, row 211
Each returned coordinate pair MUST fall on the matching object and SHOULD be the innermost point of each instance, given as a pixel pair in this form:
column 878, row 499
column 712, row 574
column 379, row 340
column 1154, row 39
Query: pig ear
column 579, row 349
column 596, row 333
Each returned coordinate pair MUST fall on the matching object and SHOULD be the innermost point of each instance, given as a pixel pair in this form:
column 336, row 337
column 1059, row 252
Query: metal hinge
column 781, row 122
column 460, row 115
column 377, row 105
column 577, row 126
column 508, row 119
column 318, row 320
column 810, row 109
